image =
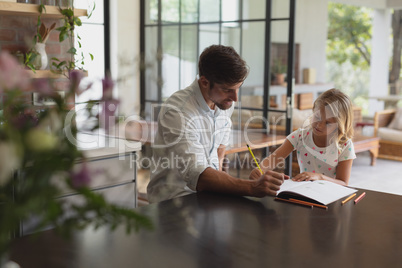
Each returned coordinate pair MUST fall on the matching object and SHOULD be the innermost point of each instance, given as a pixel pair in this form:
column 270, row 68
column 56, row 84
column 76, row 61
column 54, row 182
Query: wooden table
column 390, row 101
column 145, row 131
column 212, row 230
column 363, row 143
column 255, row 139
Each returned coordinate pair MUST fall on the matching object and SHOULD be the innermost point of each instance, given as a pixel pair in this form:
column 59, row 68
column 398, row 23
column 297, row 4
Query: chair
column 390, row 138
column 359, row 123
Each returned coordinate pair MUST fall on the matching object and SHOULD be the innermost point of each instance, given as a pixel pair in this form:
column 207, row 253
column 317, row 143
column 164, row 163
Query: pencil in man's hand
column 255, row 160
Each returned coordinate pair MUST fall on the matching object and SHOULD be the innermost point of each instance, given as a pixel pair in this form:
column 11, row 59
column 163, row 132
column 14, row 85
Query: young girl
column 324, row 147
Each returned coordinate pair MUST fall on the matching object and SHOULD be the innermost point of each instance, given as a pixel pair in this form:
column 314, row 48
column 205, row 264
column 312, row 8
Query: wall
column 311, row 34
column 17, row 32
column 380, row 55
column 125, row 47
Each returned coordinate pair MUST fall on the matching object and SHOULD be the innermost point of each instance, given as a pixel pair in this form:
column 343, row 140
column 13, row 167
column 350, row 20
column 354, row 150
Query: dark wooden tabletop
column 212, row 230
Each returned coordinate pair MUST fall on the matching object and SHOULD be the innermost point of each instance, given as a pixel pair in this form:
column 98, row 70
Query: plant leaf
column 72, row 50
column 63, row 36
column 77, row 21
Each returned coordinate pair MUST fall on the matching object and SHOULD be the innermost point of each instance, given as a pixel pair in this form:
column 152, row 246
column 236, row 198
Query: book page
column 289, row 184
column 321, row 191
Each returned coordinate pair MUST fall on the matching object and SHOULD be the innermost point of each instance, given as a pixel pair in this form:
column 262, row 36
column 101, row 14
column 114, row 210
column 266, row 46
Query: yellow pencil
column 347, row 199
column 255, row 160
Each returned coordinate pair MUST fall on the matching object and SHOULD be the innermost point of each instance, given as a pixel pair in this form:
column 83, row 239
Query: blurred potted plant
column 33, row 144
column 36, row 57
column 278, row 72
column 67, row 33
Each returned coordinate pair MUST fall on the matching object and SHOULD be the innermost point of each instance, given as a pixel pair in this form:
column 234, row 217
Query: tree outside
column 349, row 51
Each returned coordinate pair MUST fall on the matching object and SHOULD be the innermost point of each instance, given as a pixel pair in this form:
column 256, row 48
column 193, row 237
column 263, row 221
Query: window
column 93, row 41
column 175, row 32
column 91, row 35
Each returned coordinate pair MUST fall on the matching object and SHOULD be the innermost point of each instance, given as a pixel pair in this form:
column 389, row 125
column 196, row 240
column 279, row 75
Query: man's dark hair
column 222, row 65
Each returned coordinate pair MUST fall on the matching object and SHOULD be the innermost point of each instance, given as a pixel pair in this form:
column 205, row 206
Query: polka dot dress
column 316, row 159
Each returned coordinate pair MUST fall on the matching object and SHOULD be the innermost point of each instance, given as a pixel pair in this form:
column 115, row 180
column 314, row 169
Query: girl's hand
column 307, row 176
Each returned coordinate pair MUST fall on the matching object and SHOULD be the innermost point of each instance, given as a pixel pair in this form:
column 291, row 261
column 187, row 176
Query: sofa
column 253, row 119
column 388, row 127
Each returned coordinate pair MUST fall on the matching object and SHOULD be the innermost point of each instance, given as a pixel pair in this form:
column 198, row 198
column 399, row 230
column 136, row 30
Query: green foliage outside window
column 349, row 35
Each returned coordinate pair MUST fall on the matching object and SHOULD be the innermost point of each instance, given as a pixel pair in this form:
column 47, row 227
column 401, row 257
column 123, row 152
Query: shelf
column 9, row 8
column 48, row 74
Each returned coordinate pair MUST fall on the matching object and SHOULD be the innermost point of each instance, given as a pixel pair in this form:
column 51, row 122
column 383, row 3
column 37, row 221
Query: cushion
column 301, row 118
column 245, row 115
column 277, row 118
column 252, row 101
column 389, row 134
column 396, row 122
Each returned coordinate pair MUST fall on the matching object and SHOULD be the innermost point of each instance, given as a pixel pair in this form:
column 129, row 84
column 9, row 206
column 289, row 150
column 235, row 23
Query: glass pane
column 189, row 11
column 151, row 63
column 254, row 9
column 209, row 35
column 189, row 55
column 151, row 111
column 230, row 10
column 209, row 10
column 151, row 11
column 278, row 63
column 151, row 84
column 277, row 122
column 170, row 11
column 280, row 9
column 170, row 60
column 97, row 14
column 231, row 36
column 91, row 40
column 245, row 118
column 253, row 53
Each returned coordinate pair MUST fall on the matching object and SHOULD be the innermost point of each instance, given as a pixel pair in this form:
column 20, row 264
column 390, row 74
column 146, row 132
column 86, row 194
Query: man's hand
column 267, row 184
column 255, row 174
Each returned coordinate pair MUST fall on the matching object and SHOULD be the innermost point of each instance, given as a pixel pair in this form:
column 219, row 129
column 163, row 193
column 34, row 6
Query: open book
column 319, row 191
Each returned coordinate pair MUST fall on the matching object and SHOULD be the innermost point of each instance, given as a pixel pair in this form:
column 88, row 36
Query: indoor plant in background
column 67, row 33
column 278, row 72
column 34, row 150
column 35, row 56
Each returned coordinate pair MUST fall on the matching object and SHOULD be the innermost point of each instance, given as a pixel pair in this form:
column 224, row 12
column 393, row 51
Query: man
column 193, row 131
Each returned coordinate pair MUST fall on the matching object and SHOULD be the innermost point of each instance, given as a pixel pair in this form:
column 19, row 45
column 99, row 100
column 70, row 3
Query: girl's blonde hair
column 342, row 109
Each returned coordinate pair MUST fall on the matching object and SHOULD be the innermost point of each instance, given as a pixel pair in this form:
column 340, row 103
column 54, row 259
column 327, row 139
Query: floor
column 385, row 176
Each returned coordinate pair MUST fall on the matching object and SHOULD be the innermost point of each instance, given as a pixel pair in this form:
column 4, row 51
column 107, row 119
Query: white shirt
column 323, row 160
column 186, row 143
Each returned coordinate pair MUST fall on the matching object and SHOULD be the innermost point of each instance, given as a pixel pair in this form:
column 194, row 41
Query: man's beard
column 222, row 105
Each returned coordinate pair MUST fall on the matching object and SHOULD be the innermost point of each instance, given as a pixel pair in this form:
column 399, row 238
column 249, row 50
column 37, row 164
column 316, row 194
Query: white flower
column 40, row 140
column 52, row 122
column 9, row 161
